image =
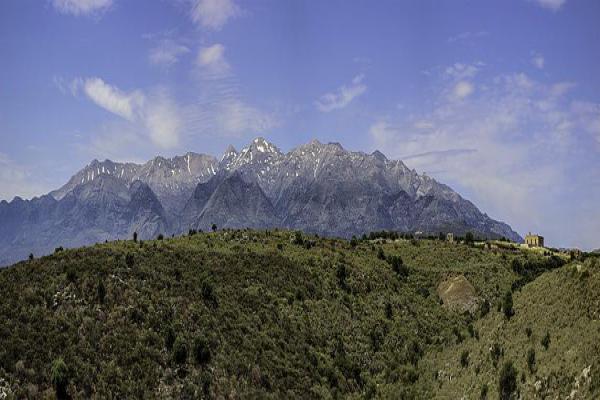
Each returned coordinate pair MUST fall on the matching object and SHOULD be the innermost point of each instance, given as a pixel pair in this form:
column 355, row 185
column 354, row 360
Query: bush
column 129, row 260
column 507, row 384
column 135, row 236
column 353, row 242
column 531, row 360
column 546, row 340
column 398, row 266
column 341, row 274
column 469, row 239
column 214, row 227
column 280, row 246
column 528, row 332
column 464, row 359
column 101, row 291
column 201, row 351
column 180, row 351
column 160, row 236
column 485, row 308
column 380, row 254
column 507, row 305
column 496, row 352
column 208, row 292
column 484, row 392
column 59, row 375
column 30, row 256
column 298, row 238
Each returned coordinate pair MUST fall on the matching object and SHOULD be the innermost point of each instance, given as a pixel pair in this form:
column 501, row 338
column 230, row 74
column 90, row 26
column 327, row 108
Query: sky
column 498, row 99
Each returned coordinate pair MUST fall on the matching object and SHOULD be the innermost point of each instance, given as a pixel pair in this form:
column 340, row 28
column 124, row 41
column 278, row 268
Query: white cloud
column 464, row 36
column 163, row 121
column 82, row 7
column 167, row 53
column 462, row 89
column 236, row 117
column 515, row 143
column 463, row 71
column 342, row 96
column 213, row 14
column 553, row 5
column 212, row 63
column 112, row 99
column 538, row 60
column 157, row 115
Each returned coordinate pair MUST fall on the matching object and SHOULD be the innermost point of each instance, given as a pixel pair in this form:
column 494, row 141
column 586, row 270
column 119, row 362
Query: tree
column 469, row 239
column 180, row 351
column 30, row 256
column 531, row 360
column 507, row 305
column 546, row 340
column 201, row 351
column 507, row 383
column 59, row 377
column 353, row 242
column 398, row 266
column 101, row 290
column 160, row 236
column 214, row 227
column 135, row 236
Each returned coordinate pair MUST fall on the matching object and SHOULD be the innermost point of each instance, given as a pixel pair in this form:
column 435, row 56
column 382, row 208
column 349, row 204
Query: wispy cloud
column 214, row 14
column 82, row 7
column 156, row 114
column 342, row 96
column 514, row 142
column 538, row 60
column 167, row 52
column 18, row 180
column 212, row 63
column 465, row 36
column 553, row 5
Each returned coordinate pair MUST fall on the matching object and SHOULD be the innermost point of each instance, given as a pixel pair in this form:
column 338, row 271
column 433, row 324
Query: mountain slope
column 249, row 314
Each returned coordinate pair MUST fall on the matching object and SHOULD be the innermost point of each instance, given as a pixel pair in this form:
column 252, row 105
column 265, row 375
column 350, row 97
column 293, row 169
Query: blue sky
column 498, row 99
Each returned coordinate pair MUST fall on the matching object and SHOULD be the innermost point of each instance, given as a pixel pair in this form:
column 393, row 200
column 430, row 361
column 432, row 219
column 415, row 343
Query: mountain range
column 318, row 188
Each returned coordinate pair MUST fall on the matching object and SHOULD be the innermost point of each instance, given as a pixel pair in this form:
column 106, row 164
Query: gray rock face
column 319, row 188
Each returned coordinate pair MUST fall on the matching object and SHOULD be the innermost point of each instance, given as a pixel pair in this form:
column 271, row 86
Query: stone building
column 533, row 240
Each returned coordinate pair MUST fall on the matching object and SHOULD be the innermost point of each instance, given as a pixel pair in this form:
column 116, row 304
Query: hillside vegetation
column 275, row 314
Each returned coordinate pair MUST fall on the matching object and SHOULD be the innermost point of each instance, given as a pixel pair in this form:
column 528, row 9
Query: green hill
column 248, row 314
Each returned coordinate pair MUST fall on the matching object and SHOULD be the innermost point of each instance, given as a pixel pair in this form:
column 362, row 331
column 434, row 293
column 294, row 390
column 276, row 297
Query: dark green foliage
column 528, row 331
column 464, row 359
column 496, row 352
column 389, row 311
column 280, row 246
column 484, row 392
column 30, row 256
column 342, row 273
column 71, row 274
column 208, row 293
column 546, row 340
column 380, row 253
column 507, row 382
column 201, row 351
column 531, row 360
column 160, row 236
column 101, row 292
column 469, row 239
column 507, row 305
column 169, row 337
column 135, row 236
column 353, row 242
column 398, row 266
column 59, row 376
column 180, row 351
column 58, row 249
column 130, row 260
column 214, row 227
column 484, row 308
column 298, row 238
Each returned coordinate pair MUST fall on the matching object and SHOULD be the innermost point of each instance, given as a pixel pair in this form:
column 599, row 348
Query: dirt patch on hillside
column 458, row 294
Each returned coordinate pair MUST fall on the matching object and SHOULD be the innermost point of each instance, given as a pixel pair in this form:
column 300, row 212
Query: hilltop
column 279, row 314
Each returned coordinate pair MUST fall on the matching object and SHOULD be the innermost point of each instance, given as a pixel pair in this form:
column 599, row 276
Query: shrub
column 464, row 359
column 398, row 266
column 485, row 308
column 298, row 238
column 169, row 337
column 135, row 236
column 160, row 236
column 380, row 254
column 507, row 383
column 208, row 292
column 201, row 351
column 341, row 274
column 353, row 242
column 496, row 352
column 531, row 360
column 280, row 246
column 59, row 377
column 507, row 305
column 469, row 239
column 546, row 340
column 214, row 227
column 528, row 332
column 101, row 291
column 30, row 256
column 180, row 351
column 71, row 274
column 130, row 259
column 58, row 249
column 484, row 391
column 389, row 312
